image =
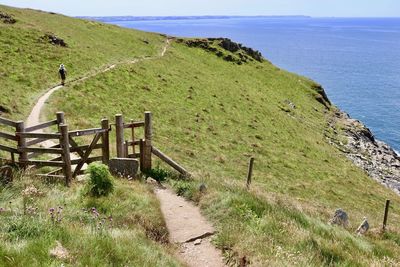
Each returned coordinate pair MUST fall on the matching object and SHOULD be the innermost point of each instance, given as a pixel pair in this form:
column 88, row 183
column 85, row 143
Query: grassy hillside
column 211, row 115
column 128, row 230
column 29, row 62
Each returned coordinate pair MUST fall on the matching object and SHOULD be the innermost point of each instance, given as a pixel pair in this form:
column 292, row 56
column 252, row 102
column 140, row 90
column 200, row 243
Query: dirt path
column 190, row 230
column 34, row 116
column 187, row 227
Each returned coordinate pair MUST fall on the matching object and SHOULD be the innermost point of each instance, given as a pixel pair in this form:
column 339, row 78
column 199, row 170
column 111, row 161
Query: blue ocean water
column 357, row 60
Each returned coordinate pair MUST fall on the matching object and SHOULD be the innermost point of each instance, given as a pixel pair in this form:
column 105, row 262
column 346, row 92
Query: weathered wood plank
column 86, row 155
column 169, row 161
column 81, row 149
column 134, row 156
column 55, row 172
column 64, row 141
column 131, row 143
column 134, row 124
column 23, row 156
column 36, row 141
column 41, row 126
column 87, row 132
column 8, row 149
column 88, row 161
column 41, row 150
column 148, row 133
column 8, row 136
column 8, row 122
column 51, row 176
column 119, row 129
column 39, row 135
column 42, row 163
column 105, row 142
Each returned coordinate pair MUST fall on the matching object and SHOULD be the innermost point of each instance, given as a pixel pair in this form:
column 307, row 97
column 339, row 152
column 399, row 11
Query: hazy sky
column 337, row 8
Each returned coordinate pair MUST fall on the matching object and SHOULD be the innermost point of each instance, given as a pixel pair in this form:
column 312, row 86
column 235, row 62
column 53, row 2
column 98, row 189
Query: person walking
column 63, row 74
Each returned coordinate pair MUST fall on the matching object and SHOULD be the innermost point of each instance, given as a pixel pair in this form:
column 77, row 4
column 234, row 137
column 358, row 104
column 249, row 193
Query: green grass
column 30, row 64
column 129, row 231
column 211, row 116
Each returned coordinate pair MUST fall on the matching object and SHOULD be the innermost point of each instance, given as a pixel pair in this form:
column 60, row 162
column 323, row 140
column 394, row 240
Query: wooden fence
column 34, row 145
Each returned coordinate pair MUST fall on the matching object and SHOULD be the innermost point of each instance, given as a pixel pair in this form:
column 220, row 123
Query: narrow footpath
column 186, row 226
column 189, row 230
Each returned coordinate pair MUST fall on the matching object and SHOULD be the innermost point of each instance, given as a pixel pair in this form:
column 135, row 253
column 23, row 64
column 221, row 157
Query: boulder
column 124, row 167
column 340, row 218
column 54, row 40
column 6, row 18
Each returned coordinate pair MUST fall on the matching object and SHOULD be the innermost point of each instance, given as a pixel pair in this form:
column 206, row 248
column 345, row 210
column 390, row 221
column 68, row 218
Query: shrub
column 158, row 174
column 101, row 183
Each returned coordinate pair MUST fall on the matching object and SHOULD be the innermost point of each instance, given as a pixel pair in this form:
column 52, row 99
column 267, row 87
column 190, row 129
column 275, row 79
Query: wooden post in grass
column 250, row 172
column 148, row 133
column 119, row 131
column 385, row 217
column 64, row 142
column 60, row 119
column 23, row 156
column 105, row 140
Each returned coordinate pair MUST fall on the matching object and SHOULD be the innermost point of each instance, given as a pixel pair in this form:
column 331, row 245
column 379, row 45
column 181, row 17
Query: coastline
column 380, row 161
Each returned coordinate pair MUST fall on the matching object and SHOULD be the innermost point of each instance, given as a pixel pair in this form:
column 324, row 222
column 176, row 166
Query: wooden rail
column 41, row 126
column 8, row 122
column 64, row 143
column 8, row 136
column 169, row 161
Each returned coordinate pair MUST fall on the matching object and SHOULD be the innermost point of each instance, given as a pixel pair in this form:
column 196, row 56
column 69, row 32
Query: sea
column 356, row 60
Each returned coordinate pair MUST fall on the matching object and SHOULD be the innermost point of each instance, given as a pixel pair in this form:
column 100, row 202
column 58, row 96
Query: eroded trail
column 190, row 230
column 34, row 116
column 186, row 226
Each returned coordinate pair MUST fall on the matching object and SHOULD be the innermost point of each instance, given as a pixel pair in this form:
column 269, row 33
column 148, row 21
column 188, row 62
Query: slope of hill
column 214, row 107
column 30, row 54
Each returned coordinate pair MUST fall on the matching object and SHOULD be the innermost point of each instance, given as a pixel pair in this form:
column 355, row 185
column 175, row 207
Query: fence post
column 250, row 173
column 23, row 156
column 148, row 133
column 60, row 119
column 119, row 131
column 126, row 148
column 64, row 142
column 141, row 154
column 105, row 140
column 385, row 217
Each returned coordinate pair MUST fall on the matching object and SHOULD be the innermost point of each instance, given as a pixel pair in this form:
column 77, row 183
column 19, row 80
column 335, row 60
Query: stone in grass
column 59, row 252
column 340, row 218
column 125, row 167
column 202, row 188
column 363, row 228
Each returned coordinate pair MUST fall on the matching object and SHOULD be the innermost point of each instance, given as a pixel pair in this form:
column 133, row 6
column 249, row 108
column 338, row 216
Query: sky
column 315, row 8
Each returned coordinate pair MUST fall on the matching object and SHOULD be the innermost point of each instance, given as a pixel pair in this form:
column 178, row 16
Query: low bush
column 101, row 182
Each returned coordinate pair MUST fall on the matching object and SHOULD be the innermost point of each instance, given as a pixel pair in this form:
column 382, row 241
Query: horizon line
column 228, row 16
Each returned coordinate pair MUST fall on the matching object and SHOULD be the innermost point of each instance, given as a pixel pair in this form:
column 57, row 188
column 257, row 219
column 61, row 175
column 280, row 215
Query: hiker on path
column 63, row 73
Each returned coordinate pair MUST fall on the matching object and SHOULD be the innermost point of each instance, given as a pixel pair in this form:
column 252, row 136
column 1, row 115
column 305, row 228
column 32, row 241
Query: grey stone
column 340, row 218
column 124, row 167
